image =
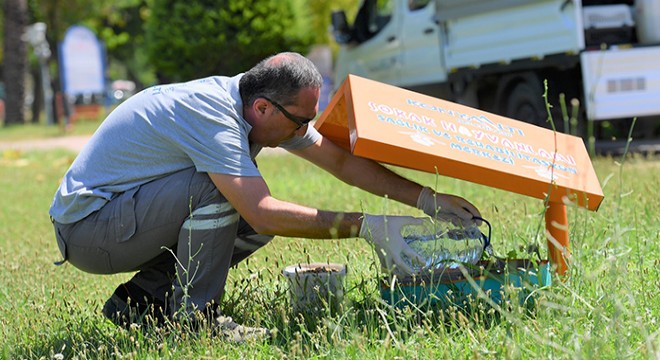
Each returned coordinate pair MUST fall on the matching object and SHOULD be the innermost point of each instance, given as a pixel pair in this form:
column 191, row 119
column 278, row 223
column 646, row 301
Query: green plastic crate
column 453, row 286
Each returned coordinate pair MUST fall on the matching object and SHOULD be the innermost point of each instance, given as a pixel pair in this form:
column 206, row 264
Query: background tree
column 120, row 25
column 321, row 11
column 59, row 15
column 2, row 33
column 186, row 40
column 15, row 60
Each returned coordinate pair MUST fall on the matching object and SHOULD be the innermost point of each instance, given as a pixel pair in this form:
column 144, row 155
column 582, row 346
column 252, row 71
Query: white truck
column 496, row 54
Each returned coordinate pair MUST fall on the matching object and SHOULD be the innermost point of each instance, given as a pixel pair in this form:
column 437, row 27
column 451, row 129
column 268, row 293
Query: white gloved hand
column 447, row 207
column 385, row 233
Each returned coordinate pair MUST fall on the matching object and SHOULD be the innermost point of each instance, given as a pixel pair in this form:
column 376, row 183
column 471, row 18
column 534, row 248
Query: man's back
column 161, row 130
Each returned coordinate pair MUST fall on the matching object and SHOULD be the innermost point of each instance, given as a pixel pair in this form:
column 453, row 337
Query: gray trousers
column 182, row 214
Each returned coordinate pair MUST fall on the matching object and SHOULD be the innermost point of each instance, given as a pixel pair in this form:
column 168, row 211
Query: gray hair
column 279, row 77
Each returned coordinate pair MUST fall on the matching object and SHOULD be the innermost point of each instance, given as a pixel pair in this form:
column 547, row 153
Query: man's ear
column 260, row 106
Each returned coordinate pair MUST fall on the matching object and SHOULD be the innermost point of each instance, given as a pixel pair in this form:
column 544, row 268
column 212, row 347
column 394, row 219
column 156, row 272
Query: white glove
column 447, row 207
column 385, row 233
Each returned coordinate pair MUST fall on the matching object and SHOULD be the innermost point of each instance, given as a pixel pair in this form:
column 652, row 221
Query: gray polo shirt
column 159, row 131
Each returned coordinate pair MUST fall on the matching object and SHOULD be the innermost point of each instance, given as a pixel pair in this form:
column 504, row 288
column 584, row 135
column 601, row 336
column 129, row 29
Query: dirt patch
column 74, row 143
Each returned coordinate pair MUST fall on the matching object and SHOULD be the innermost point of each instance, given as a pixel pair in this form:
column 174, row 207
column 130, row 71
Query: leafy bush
column 187, row 40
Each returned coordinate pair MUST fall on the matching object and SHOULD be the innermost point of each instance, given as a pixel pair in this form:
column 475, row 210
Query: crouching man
column 168, row 187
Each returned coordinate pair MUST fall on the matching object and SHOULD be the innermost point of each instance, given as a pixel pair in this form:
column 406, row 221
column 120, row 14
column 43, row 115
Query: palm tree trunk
column 15, row 60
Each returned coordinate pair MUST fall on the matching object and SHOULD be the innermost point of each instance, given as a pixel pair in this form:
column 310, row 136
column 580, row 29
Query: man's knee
column 212, row 217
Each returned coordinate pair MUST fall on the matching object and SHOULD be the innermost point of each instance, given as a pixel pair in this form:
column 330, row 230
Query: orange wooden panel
column 404, row 128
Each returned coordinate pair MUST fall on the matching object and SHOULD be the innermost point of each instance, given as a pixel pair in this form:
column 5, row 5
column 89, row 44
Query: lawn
column 41, row 131
column 607, row 307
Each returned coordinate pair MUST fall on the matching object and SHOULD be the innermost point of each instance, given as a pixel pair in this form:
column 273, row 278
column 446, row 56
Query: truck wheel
column 527, row 104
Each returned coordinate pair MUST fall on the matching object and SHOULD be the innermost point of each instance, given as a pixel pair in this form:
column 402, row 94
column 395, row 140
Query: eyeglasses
column 300, row 121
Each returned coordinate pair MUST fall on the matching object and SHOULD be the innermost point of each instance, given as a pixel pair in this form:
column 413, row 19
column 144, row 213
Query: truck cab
column 502, row 55
column 390, row 42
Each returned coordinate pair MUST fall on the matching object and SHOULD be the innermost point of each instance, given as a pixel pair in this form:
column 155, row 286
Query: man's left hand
column 447, row 207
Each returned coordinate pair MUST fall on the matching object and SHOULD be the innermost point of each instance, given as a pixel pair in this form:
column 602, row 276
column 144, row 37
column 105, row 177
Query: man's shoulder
column 226, row 82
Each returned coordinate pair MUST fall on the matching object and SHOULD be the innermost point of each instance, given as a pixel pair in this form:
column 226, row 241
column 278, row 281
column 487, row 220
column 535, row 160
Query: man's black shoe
column 130, row 304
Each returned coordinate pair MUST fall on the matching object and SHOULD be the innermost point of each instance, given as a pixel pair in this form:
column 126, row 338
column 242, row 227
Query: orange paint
column 556, row 225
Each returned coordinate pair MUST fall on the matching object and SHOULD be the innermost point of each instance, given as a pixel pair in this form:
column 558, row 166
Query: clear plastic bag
column 445, row 245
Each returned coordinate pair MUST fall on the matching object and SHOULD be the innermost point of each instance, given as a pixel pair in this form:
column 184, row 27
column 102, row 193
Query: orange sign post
column 403, row 128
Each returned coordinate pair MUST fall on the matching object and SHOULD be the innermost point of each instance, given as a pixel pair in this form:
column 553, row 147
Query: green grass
column 40, row 131
column 607, row 308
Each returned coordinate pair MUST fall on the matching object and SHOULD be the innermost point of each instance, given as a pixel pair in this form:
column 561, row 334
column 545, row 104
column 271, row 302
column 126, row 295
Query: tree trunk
column 37, row 93
column 15, row 54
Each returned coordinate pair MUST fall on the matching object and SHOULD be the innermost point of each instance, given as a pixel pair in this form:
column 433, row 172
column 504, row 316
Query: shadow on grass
column 365, row 316
column 71, row 335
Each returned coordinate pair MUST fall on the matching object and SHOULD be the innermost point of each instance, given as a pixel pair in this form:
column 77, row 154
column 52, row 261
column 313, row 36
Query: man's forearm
column 379, row 180
column 293, row 220
column 267, row 215
column 360, row 172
